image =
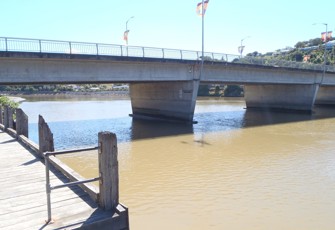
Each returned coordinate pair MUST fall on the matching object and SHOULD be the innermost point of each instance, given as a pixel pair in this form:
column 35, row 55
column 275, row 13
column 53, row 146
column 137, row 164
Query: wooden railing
column 106, row 196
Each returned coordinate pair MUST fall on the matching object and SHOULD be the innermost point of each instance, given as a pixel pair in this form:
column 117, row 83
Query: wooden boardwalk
column 23, row 202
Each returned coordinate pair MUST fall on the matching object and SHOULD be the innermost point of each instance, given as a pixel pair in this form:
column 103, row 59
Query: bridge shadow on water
column 257, row 117
column 73, row 134
column 225, row 121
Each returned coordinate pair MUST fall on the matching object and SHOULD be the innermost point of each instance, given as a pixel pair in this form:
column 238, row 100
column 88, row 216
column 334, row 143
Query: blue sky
column 271, row 25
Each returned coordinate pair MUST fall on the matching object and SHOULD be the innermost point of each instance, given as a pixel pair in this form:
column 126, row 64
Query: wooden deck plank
column 23, row 195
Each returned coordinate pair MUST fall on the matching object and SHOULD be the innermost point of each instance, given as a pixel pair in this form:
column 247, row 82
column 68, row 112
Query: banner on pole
column 125, row 36
column 326, row 36
column 200, row 6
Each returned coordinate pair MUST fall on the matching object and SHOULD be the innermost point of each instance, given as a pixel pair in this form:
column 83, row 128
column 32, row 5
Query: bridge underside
column 176, row 100
column 164, row 100
column 284, row 96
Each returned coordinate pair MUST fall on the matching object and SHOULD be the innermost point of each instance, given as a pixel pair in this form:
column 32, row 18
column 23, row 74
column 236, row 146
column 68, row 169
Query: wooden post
column 21, row 123
column 10, row 118
column 5, row 117
column 1, row 116
column 45, row 136
column 108, row 171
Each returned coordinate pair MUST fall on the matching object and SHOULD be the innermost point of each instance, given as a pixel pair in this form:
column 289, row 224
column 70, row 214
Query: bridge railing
column 66, row 47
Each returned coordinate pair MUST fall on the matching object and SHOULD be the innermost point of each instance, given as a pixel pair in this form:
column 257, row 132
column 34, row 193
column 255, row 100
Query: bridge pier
column 164, row 100
column 325, row 96
column 281, row 96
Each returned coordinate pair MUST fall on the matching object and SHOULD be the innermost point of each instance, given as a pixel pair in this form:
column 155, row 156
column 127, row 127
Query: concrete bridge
column 164, row 82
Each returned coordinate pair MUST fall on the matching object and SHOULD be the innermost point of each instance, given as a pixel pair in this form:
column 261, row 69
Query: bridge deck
column 23, row 196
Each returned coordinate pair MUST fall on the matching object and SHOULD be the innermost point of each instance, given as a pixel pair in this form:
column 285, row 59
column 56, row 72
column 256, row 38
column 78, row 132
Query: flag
column 199, row 7
column 330, row 35
column 326, row 36
column 125, row 36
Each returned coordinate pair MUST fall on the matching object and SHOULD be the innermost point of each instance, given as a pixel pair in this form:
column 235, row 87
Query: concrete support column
column 164, row 100
column 290, row 97
column 325, row 96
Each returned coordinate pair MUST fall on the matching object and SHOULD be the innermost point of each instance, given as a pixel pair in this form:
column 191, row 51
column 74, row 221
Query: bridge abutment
column 164, row 100
column 281, row 96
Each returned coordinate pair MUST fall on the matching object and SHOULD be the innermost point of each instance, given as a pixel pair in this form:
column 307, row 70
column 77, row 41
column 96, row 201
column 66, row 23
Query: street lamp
column 128, row 21
column 125, row 34
column 241, row 48
column 325, row 53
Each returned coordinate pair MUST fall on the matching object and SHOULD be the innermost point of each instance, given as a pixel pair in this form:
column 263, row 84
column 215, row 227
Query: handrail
column 49, row 188
column 10, row 44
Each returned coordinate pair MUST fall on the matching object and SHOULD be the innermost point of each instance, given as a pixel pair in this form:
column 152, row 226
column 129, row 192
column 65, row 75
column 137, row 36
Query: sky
column 265, row 25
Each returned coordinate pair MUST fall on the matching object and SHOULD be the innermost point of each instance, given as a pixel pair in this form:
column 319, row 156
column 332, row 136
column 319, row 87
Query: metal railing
column 49, row 188
column 8, row 44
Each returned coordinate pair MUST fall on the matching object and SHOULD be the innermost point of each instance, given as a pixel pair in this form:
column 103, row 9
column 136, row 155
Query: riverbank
column 89, row 95
column 19, row 96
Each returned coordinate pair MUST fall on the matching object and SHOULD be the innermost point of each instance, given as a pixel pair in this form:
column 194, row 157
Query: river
column 234, row 169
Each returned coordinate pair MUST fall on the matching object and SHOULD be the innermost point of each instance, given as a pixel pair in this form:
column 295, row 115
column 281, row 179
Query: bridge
column 164, row 82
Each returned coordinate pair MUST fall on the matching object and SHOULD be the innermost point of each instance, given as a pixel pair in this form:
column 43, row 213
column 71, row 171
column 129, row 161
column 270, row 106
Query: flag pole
column 203, row 29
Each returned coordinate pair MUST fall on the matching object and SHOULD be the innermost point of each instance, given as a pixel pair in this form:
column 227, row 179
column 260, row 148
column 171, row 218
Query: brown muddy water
column 235, row 169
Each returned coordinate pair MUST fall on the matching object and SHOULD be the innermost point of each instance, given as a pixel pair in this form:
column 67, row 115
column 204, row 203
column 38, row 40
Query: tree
column 203, row 90
column 233, row 91
column 300, row 45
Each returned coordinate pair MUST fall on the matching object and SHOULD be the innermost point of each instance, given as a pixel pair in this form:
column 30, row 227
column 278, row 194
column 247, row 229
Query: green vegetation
column 5, row 101
column 59, row 88
column 217, row 90
column 311, row 51
column 233, row 91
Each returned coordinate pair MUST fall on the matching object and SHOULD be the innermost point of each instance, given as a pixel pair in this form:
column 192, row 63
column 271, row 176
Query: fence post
column 1, row 116
column 6, row 44
column 45, row 136
column 108, row 171
column 21, row 123
column 10, row 118
column 97, row 46
column 5, row 117
column 70, row 46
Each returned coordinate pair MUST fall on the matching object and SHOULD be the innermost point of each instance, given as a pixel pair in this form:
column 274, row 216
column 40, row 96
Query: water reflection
column 255, row 117
column 143, row 129
column 81, row 121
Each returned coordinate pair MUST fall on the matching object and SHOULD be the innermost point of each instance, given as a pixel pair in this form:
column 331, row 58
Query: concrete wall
column 250, row 74
column 325, row 96
column 292, row 97
column 167, row 100
column 57, row 71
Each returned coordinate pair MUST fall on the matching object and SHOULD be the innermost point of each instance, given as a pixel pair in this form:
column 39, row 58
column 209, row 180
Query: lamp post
column 325, row 53
column 125, row 35
column 241, row 48
column 128, row 21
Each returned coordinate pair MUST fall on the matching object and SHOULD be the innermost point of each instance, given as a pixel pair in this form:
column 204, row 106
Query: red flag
column 199, row 7
column 125, row 36
column 326, row 36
